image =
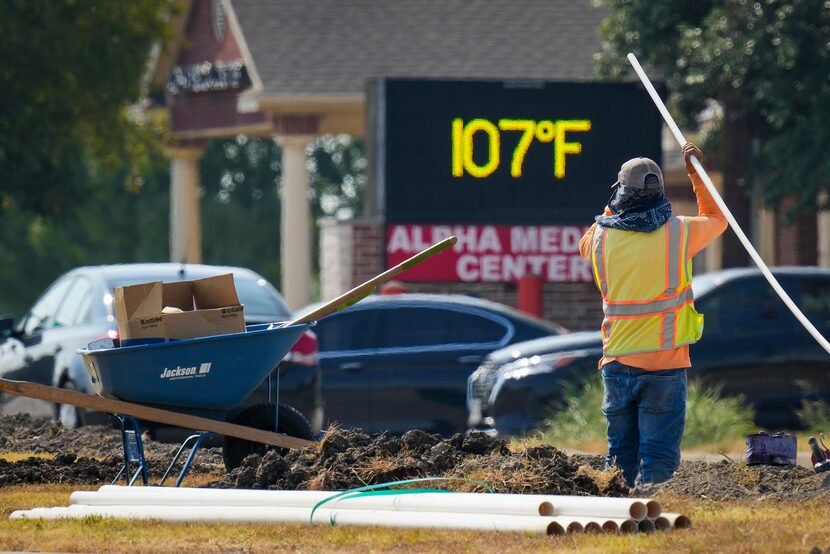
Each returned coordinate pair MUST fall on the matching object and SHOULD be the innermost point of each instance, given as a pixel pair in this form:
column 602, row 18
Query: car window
column 75, row 307
column 260, row 299
column 349, row 330
column 744, row 306
column 472, row 328
column 815, row 301
column 42, row 313
column 410, row 326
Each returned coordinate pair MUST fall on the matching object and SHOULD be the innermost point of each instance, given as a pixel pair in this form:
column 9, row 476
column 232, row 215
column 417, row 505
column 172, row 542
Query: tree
column 241, row 207
column 70, row 69
column 766, row 63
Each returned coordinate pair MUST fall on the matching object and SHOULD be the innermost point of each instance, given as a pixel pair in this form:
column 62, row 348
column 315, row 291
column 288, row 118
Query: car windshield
column 259, row 299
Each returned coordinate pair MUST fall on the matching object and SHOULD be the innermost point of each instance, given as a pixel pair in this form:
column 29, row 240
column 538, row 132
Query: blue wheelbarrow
column 208, row 377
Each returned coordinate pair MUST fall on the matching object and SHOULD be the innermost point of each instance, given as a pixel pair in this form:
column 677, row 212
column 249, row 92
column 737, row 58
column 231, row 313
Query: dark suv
column 77, row 309
column 752, row 345
column 401, row 362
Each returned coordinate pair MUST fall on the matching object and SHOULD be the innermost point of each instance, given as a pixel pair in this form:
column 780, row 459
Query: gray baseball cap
column 641, row 174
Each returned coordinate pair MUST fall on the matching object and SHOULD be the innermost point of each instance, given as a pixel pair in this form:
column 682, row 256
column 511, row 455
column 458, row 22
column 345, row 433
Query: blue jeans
column 646, row 415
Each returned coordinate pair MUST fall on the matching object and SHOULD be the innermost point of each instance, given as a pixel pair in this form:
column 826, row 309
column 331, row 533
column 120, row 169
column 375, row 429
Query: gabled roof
column 331, row 47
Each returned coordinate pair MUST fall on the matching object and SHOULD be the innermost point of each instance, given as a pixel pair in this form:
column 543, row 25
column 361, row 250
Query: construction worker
column 641, row 257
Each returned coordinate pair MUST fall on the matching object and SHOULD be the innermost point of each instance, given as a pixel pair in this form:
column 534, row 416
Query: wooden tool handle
column 362, row 291
column 82, row 400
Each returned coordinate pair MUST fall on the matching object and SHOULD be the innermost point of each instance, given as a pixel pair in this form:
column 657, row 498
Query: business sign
column 491, row 253
column 514, row 152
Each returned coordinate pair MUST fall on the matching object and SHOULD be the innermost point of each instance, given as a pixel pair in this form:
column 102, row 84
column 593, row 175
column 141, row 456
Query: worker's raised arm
column 710, row 221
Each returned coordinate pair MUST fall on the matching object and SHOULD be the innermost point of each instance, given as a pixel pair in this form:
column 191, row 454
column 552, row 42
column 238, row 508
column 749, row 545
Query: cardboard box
column 209, row 306
column 138, row 312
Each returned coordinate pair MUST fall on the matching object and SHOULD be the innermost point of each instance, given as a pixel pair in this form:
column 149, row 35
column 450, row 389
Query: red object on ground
column 530, row 295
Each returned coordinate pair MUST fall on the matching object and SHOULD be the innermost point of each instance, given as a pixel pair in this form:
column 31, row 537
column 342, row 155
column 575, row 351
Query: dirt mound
column 90, row 454
column 727, row 480
column 350, row 458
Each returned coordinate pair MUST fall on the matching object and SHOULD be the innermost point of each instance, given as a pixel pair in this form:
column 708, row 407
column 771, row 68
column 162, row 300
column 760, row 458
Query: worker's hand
column 690, row 150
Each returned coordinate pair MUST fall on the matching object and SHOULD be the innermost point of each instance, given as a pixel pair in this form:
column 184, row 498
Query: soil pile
column 346, row 459
column 88, row 455
column 727, row 480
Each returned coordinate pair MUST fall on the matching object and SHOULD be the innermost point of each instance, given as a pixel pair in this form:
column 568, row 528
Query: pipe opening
column 662, row 524
column 654, row 509
column 555, row 529
column 546, row 509
column 638, row 510
column 593, row 527
column 646, row 526
column 610, row 527
column 682, row 522
column 629, row 526
column 575, row 527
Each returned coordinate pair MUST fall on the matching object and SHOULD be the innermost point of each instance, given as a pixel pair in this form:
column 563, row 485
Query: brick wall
column 797, row 240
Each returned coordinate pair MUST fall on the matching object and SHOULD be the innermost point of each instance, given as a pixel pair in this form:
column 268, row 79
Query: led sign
column 511, row 153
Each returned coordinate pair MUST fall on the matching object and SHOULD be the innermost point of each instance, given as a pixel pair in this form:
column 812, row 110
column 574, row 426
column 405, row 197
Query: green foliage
column 711, row 420
column 240, row 207
column 767, row 61
column 815, row 415
column 71, row 67
column 580, row 420
column 338, row 176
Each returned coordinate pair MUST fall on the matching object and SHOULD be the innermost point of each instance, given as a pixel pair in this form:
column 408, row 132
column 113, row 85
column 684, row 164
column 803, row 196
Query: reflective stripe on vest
column 654, row 309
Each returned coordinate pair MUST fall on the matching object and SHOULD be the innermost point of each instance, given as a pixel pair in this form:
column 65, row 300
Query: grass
column 716, row 527
column 712, row 423
column 13, row 457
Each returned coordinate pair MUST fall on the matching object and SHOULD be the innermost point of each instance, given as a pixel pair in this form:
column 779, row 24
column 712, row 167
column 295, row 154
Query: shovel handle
column 362, row 291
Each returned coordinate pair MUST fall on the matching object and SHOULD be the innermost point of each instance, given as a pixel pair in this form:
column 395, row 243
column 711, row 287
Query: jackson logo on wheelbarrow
column 186, row 372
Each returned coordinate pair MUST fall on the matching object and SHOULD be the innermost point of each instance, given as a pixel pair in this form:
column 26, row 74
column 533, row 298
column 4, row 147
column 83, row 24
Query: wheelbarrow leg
column 133, row 450
column 197, row 438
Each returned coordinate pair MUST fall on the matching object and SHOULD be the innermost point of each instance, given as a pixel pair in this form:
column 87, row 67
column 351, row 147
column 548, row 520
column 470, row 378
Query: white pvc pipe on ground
column 725, row 209
column 634, row 508
column 238, row 514
column 514, row 504
column 678, row 521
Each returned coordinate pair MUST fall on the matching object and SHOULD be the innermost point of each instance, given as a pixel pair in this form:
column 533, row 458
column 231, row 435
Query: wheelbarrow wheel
column 261, row 416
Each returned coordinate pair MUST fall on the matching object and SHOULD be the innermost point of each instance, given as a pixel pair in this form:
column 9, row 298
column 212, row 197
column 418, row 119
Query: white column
column 185, row 221
column 766, row 234
column 295, row 234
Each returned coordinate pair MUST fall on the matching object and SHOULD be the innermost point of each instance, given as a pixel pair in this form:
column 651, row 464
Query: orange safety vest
column 646, row 285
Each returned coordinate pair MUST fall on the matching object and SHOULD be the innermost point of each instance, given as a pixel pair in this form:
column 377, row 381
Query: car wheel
column 67, row 415
column 261, row 416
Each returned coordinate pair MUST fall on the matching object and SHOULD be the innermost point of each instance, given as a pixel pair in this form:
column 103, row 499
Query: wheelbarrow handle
column 362, row 291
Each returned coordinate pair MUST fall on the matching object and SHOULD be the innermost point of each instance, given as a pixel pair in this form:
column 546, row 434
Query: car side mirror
column 6, row 326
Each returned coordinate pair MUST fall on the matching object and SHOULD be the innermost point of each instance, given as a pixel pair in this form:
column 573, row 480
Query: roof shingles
column 331, row 47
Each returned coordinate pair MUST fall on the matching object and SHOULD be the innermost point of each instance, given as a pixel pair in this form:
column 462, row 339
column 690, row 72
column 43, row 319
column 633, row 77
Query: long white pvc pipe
column 516, row 504
column 725, row 209
column 513, row 504
column 239, row 514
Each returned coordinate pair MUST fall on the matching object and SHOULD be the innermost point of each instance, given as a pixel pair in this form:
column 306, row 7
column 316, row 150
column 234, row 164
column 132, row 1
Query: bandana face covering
column 636, row 210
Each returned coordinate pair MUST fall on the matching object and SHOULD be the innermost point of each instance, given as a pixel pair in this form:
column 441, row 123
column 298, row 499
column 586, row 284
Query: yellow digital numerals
column 545, row 130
